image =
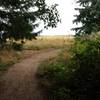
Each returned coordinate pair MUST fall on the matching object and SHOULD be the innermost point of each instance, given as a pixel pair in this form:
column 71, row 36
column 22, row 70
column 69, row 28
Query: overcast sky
column 66, row 11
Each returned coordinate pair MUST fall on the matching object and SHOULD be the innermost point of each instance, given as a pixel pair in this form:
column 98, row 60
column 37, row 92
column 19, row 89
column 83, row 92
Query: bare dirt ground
column 19, row 82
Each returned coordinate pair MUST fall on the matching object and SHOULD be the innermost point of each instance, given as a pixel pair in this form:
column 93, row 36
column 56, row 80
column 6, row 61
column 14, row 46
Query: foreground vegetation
column 75, row 73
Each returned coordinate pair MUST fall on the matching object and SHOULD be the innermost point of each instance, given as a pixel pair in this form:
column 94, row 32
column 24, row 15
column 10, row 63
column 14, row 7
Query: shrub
column 76, row 78
column 86, row 79
column 17, row 46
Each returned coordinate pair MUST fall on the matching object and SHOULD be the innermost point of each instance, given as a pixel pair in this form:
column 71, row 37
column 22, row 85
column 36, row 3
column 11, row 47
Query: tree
column 89, row 16
column 18, row 21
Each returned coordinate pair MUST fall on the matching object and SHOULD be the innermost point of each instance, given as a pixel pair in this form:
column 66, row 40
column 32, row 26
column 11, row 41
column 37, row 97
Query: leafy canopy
column 89, row 16
column 18, row 18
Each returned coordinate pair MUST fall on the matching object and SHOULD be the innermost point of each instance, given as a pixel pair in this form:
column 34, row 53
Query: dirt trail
column 19, row 82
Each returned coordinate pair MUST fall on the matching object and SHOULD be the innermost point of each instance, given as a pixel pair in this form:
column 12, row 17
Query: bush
column 76, row 78
column 86, row 79
column 17, row 46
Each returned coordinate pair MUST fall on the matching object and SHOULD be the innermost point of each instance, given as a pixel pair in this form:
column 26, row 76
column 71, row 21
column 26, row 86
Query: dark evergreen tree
column 17, row 21
column 89, row 16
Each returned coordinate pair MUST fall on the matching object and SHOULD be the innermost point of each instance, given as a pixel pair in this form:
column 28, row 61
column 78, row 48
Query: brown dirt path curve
column 19, row 82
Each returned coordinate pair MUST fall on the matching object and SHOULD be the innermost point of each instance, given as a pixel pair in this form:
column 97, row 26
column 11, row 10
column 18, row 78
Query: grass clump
column 75, row 77
column 8, row 58
column 4, row 66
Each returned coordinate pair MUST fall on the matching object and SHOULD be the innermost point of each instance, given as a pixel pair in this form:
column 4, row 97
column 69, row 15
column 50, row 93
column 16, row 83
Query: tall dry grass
column 44, row 42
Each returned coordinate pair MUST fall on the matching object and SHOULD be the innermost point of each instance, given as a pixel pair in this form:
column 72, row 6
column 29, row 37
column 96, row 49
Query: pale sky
column 66, row 11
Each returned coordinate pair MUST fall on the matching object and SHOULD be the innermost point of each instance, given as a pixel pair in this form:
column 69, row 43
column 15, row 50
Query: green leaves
column 89, row 16
column 18, row 22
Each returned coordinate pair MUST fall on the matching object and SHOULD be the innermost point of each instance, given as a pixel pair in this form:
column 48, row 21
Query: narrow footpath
column 19, row 82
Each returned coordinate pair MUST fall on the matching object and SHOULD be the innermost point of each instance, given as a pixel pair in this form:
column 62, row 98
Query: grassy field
column 44, row 42
column 9, row 57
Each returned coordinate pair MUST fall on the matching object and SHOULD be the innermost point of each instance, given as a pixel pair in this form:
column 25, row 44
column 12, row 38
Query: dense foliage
column 18, row 18
column 76, row 77
column 89, row 16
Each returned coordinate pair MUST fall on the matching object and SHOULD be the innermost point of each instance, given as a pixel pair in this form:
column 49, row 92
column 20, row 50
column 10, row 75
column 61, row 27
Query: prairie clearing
column 44, row 42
